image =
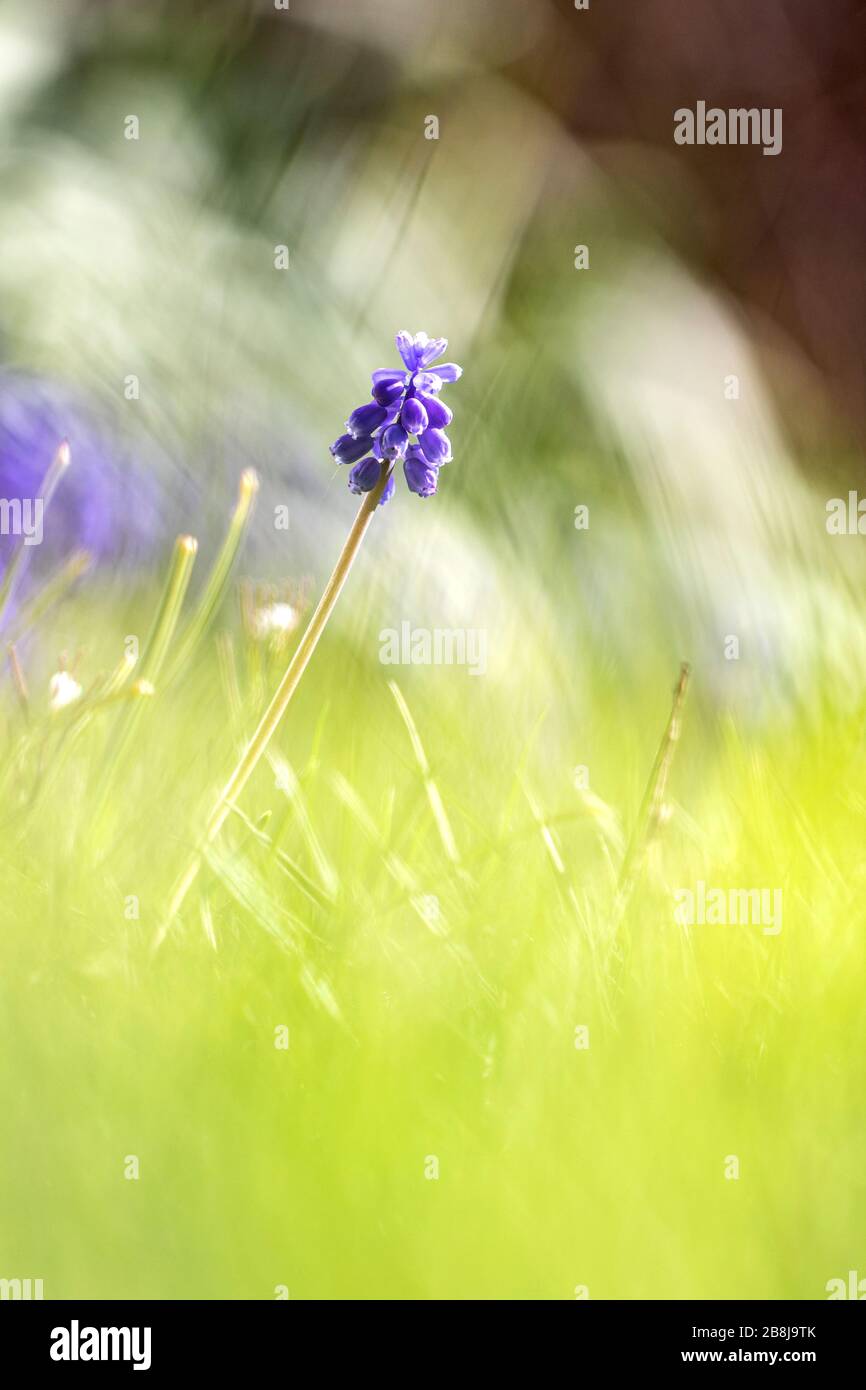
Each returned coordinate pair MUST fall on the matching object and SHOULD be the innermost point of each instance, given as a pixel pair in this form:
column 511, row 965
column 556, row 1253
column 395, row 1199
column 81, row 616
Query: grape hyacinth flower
column 107, row 505
column 405, row 421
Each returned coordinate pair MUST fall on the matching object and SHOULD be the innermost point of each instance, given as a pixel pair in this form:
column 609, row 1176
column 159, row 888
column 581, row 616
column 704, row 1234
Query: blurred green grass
column 558, row 1167
column 306, row 1168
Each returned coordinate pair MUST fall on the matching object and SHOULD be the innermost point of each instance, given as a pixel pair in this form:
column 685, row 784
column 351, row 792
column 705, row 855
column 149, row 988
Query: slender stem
column 437, row 806
column 155, row 648
column 51, row 591
column 18, row 678
column 167, row 615
column 652, row 807
column 282, row 695
column 220, row 575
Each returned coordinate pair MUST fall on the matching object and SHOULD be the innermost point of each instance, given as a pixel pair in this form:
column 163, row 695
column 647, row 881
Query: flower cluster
column 405, row 420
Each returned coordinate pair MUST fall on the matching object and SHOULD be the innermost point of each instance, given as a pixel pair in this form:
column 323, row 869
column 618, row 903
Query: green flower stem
column 168, row 613
column 270, row 720
column 220, row 575
column 54, row 589
column 651, row 813
column 155, row 649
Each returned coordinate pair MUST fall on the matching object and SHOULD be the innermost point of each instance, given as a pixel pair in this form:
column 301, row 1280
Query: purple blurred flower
column 404, row 420
column 105, row 504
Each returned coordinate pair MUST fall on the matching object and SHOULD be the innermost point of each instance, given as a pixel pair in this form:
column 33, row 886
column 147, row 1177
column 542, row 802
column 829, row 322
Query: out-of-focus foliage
column 415, row 1031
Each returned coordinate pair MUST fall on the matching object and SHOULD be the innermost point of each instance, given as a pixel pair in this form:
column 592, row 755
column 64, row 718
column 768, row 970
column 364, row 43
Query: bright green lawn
column 455, row 1038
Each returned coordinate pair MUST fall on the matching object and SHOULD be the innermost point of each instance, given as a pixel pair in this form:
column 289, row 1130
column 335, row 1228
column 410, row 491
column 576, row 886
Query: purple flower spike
column 395, row 442
column 365, row 420
column 405, row 406
column 435, row 446
column 347, row 449
column 422, row 477
column 413, row 416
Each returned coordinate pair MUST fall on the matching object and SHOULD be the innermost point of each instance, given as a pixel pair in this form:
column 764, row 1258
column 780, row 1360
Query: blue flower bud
column 413, row 416
column 438, row 414
column 448, row 371
column 366, row 419
column 428, row 350
column 435, row 446
column 422, row 477
column 347, row 449
column 384, row 392
column 364, row 476
column 406, row 348
column 427, row 381
column 395, row 441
